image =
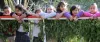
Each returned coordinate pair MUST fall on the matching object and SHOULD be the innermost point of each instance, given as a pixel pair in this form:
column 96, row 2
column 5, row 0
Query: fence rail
column 36, row 18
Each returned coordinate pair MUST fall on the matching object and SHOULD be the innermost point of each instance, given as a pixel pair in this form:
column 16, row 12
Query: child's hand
column 64, row 11
column 91, row 17
column 94, row 16
column 58, row 16
column 6, row 14
column 37, row 15
column 71, row 18
column 75, row 19
column 22, row 16
column 16, row 17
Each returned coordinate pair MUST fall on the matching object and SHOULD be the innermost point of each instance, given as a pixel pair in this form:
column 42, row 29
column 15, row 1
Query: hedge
column 73, row 31
column 63, row 30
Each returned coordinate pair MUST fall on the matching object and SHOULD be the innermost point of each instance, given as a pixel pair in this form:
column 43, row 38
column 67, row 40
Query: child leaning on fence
column 36, row 28
column 10, row 37
column 75, row 12
column 93, row 11
column 50, row 12
column 19, row 14
column 61, row 10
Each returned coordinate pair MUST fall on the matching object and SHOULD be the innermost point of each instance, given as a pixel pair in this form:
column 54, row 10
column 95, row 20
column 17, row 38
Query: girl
column 6, row 11
column 19, row 14
column 93, row 11
column 75, row 12
column 50, row 12
column 61, row 10
column 36, row 28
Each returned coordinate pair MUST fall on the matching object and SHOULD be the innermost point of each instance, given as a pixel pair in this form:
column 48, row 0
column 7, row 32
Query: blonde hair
column 95, row 6
column 51, row 6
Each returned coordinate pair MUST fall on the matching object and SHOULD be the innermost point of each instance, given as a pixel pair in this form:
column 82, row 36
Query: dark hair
column 21, row 8
column 73, row 8
column 59, row 5
column 36, row 11
column 6, row 7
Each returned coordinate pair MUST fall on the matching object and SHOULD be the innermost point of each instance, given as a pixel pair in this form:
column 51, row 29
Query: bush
column 64, row 30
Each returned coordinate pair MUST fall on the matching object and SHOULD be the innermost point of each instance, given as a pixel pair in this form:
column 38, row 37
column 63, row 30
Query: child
column 36, row 28
column 19, row 14
column 61, row 10
column 93, row 11
column 76, row 12
column 6, row 11
column 50, row 12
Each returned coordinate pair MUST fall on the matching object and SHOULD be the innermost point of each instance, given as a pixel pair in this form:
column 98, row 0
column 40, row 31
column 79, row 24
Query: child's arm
column 24, row 15
column 68, row 15
column 6, row 14
column 37, row 15
column 48, row 15
column 97, row 15
column 59, row 14
column 81, row 13
column 87, row 14
column 16, row 17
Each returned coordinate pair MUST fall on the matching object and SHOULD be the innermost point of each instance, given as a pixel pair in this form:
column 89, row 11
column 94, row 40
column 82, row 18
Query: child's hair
column 36, row 10
column 59, row 5
column 21, row 8
column 95, row 6
column 39, row 9
column 6, row 7
column 73, row 8
column 50, row 6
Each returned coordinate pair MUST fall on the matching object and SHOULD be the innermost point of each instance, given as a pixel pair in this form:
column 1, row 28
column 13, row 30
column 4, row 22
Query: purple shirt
column 68, row 15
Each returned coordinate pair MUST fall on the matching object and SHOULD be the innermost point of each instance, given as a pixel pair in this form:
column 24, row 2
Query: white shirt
column 21, row 28
column 36, row 28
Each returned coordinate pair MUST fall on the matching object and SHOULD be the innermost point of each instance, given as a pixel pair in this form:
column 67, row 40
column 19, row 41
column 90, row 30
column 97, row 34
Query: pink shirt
column 88, row 14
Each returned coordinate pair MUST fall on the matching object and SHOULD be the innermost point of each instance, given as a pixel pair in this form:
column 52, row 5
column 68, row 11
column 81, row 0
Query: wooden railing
column 36, row 18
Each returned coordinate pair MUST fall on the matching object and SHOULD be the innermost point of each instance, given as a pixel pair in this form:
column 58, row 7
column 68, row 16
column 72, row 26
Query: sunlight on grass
column 74, row 39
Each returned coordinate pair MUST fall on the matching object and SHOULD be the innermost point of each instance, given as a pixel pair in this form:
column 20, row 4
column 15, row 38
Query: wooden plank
column 36, row 18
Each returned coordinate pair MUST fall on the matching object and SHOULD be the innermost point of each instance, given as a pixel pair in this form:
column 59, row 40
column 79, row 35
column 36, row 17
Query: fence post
column 44, row 33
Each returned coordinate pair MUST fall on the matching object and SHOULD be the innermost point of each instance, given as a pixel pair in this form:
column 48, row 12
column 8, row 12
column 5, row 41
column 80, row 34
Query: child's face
column 62, row 8
column 75, row 12
column 7, row 11
column 18, row 11
column 93, row 9
column 38, row 12
column 49, row 10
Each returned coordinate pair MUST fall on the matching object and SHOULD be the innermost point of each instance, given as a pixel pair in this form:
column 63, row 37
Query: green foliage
column 26, row 26
column 64, row 30
column 7, row 28
column 83, row 3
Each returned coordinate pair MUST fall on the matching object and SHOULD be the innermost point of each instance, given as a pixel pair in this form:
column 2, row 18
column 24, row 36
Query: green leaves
column 26, row 26
column 7, row 27
column 62, row 30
